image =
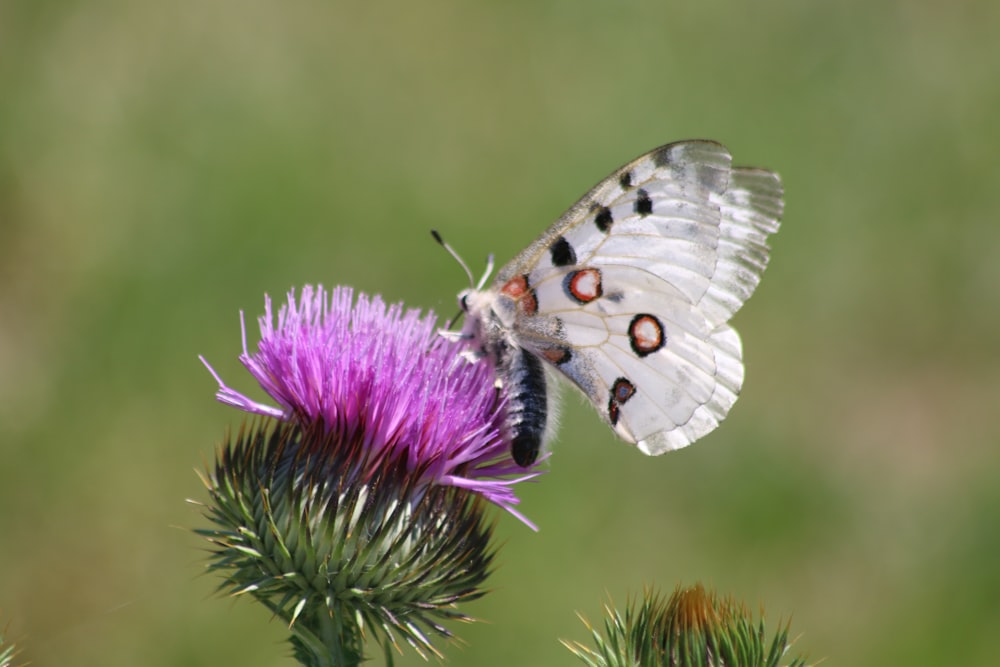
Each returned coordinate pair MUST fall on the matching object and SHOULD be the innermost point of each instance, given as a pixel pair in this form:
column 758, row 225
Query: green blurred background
column 163, row 165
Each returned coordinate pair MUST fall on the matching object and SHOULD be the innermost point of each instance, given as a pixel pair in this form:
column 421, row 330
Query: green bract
column 691, row 628
column 337, row 544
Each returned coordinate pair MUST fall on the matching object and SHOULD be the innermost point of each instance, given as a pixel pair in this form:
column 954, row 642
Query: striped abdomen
column 523, row 377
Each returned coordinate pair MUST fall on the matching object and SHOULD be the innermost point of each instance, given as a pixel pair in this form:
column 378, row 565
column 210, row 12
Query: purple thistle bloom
column 384, row 379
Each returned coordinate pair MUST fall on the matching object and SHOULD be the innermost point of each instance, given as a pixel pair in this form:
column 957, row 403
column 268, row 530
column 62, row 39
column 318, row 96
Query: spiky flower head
column 383, row 377
column 356, row 505
column 691, row 628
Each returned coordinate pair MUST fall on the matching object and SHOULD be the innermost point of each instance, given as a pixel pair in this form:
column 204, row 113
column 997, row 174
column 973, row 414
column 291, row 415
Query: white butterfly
column 628, row 295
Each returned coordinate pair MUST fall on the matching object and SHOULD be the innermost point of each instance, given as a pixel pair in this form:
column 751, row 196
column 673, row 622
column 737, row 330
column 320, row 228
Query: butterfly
column 628, row 295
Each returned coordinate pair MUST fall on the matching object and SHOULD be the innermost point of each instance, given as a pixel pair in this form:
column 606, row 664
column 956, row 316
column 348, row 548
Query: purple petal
column 382, row 375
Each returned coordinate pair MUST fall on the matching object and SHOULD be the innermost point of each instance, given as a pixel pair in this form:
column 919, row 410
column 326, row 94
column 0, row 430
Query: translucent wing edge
column 751, row 209
column 705, row 419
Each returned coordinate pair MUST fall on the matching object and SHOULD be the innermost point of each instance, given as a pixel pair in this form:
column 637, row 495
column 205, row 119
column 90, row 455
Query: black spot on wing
column 625, row 180
column 614, row 297
column 603, row 219
column 643, row 203
column 661, row 156
column 562, row 252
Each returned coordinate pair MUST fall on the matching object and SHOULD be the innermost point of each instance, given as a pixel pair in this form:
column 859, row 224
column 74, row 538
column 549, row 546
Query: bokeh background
column 163, row 165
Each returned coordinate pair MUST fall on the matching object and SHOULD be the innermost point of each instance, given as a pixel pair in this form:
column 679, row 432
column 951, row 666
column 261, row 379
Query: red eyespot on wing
column 645, row 334
column 528, row 304
column 583, row 286
column 621, row 391
column 518, row 289
column 515, row 287
column 557, row 355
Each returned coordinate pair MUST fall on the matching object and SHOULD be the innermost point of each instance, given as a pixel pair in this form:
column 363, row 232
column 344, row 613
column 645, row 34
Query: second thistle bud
column 690, row 628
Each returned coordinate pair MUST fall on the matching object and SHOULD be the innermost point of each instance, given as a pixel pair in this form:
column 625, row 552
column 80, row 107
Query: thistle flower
column 356, row 505
column 691, row 628
column 384, row 377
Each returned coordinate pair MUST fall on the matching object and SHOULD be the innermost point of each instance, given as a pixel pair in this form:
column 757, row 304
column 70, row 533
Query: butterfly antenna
column 486, row 275
column 458, row 258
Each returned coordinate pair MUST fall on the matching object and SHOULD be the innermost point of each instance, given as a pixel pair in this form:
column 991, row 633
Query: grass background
column 163, row 165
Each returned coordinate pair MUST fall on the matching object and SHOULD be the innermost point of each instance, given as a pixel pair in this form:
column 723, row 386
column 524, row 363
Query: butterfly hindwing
column 629, row 293
column 685, row 372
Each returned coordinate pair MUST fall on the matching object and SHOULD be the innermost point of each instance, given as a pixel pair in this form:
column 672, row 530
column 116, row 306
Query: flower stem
column 325, row 640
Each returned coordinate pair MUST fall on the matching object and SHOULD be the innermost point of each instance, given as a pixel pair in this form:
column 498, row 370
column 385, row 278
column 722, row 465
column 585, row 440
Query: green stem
column 328, row 641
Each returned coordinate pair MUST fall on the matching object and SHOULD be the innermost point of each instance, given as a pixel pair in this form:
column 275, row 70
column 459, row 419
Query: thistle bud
column 691, row 628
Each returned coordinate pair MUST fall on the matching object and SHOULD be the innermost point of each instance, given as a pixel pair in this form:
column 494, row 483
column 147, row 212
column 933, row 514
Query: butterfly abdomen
column 527, row 403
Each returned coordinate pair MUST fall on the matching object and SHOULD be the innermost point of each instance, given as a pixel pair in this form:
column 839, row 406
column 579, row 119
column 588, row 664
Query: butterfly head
column 463, row 300
column 475, row 305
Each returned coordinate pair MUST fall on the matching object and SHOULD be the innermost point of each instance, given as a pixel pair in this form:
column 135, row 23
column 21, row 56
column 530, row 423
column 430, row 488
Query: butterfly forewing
column 750, row 211
column 629, row 292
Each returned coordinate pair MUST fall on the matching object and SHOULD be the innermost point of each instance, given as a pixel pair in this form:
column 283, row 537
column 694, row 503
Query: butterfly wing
column 632, row 288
